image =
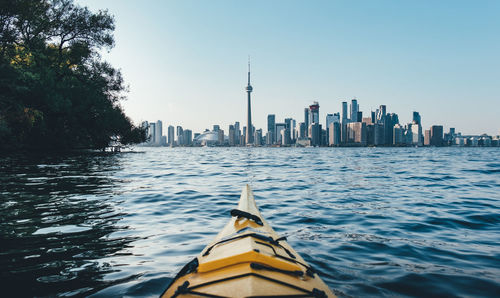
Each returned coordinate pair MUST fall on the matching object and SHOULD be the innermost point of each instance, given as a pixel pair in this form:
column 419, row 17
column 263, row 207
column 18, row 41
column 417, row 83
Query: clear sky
column 186, row 61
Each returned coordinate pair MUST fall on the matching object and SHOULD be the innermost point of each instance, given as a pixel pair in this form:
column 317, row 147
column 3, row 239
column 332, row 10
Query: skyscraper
column 334, row 134
column 344, row 112
column 180, row 136
column 314, row 113
column 436, row 137
column 231, row 135
column 258, row 137
column 311, row 128
column 158, row 132
column 301, row 131
column 416, row 118
column 171, row 134
column 354, row 110
column 237, row 132
column 249, row 132
column 416, row 129
column 152, row 133
column 306, row 120
column 289, row 128
column 187, row 137
column 271, row 129
column 315, row 134
column 331, row 118
column 279, row 128
column 381, row 112
column 343, row 126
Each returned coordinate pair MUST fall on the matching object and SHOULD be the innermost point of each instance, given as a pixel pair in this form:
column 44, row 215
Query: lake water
column 375, row 221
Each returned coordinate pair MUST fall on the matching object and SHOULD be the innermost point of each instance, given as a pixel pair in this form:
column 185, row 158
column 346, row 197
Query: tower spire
column 249, row 131
column 248, row 70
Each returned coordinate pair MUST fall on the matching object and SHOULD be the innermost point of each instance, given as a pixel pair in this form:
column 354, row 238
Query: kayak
column 247, row 259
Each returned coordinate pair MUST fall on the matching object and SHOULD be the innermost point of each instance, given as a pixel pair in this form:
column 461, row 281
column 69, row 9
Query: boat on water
column 247, row 259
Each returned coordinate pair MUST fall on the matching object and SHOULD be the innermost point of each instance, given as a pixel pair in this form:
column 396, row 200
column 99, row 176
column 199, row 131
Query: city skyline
column 347, row 128
column 440, row 59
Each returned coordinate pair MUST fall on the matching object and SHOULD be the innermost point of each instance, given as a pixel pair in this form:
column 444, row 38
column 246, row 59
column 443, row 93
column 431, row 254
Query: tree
column 55, row 90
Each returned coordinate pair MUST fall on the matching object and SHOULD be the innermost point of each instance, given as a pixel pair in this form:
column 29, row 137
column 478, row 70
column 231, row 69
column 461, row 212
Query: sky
column 186, row 61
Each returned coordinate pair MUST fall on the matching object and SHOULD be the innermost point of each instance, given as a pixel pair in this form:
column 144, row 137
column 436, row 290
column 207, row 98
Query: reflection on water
column 56, row 232
column 374, row 221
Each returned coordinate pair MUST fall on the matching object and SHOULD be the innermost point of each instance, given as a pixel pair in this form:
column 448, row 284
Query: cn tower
column 249, row 133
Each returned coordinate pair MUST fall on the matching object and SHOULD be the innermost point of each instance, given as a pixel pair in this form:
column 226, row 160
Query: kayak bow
column 247, row 259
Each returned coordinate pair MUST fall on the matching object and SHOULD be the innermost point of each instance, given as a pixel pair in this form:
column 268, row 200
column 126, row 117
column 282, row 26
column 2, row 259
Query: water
column 376, row 221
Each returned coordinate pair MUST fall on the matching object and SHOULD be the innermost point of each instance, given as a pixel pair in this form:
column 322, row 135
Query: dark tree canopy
column 56, row 92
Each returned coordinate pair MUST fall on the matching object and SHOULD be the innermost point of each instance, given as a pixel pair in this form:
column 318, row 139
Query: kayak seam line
column 256, row 275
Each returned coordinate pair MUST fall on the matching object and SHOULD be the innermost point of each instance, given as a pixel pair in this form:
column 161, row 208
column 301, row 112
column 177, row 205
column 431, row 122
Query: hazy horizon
column 186, row 61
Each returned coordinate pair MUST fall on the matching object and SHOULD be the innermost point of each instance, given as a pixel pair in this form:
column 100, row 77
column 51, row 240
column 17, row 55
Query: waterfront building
column 208, row 138
column 408, row 136
column 301, row 131
column 354, row 110
column 180, row 136
column 331, row 118
column 329, row 121
column 398, row 135
column 334, row 134
column 313, row 113
column 356, row 133
column 249, row 132
column 315, row 134
column 374, row 134
column 187, row 137
column 495, row 141
column 220, row 137
column 378, row 135
column 279, row 128
column 343, row 123
column 258, row 137
column 152, row 133
column 343, row 113
column 449, row 138
column 391, row 119
column 416, row 118
column 237, row 131
column 269, row 138
column 311, row 128
column 158, row 132
column 271, row 128
column 285, row 137
column 416, row 134
column 427, row 137
column 231, row 135
column 306, row 120
column 171, row 135
column 436, row 135
column 381, row 112
column 289, row 125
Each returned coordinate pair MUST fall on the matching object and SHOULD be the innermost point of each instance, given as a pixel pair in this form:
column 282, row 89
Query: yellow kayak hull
column 247, row 259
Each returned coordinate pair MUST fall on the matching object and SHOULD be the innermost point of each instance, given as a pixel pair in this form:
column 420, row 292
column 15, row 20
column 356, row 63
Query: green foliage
column 55, row 90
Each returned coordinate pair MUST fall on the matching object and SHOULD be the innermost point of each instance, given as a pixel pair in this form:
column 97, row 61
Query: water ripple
column 373, row 221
